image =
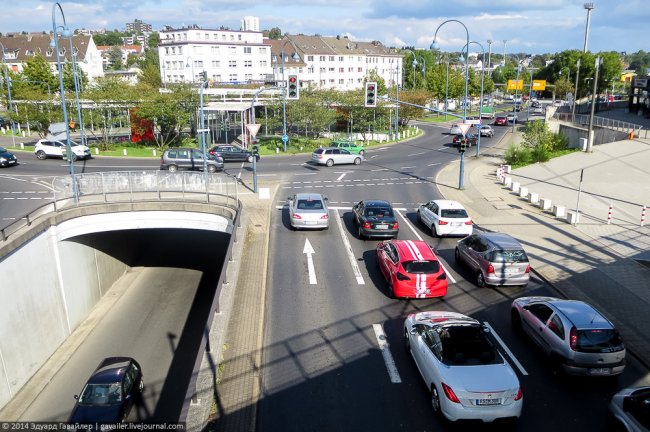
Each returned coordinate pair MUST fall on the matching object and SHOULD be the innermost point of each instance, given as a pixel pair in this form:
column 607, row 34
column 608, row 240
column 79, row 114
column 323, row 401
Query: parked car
column 44, row 149
column 334, row 156
column 495, row 259
column 350, row 146
column 468, row 378
column 7, row 158
column 175, row 158
column 308, row 210
column 231, row 153
column 110, row 392
column 375, row 218
column 631, row 409
column 574, row 336
column 445, row 218
column 411, row 269
column 486, row 131
column 501, row 121
column 471, row 138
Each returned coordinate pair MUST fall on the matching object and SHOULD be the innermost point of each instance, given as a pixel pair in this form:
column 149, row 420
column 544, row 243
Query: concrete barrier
column 545, row 204
column 523, row 192
column 514, row 186
column 506, row 180
column 559, row 211
column 507, row 168
column 533, row 198
column 572, row 217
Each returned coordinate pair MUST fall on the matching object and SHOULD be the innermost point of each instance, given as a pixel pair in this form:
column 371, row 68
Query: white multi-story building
column 335, row 62
column 250, row 23
column 225, row 55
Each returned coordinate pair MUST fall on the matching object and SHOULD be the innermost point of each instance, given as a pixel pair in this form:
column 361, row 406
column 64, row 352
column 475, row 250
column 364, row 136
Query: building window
column 322, row 58
column 360, row 69
column 351, row 69
column 232, row 77
column 223, row 37
column 248, row 50
column 310, row 69
column 263, row 63
column 331, row 70
column 322, row 82
column 198, row 63
column 248, row 63
column 214, row 50
column 341, row 58
column 342, row 70
column 216, row 63
column 239, row 37
column 331, row 58
column 248, row 77
column 216, row 77
column 341, row 81
column 232, row 50
column 310, row 58
column 166, row 50
column 262, row 50
column 331, row 81
column 206, row 36
column 232, row 63
column 232, row 38
column 323, row 70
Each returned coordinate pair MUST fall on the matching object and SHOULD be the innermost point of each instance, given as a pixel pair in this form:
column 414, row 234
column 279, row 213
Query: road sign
column 473, row 122
column 516, row 85
column 253, row 128
column 464, row 127
column 285, row 138
column 539, row 85
column 203, row 130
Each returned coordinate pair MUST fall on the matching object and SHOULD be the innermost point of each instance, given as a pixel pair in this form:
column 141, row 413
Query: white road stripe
column 505, row 348
column 437, row 163
column 380, row 169
column 341, row 176
column 348, row 250
column 417, row 234
column 385, row 352
column 416, row 154
column 302, row 174
column 406, row 167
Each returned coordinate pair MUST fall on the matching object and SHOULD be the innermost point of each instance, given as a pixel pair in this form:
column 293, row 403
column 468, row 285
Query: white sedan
column 445, row 218
column 467, row 376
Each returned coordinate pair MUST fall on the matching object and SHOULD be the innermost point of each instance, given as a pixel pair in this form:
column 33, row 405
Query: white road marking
column 267, row 175
column 385, row 352
column 380, row 169
column 437, row 163
column 416, row 154
column 417, row 234
column 341, row 176
column 302, row 174
column 406, row 167
column 309, row 251
column 505, row 348
column 348, row 250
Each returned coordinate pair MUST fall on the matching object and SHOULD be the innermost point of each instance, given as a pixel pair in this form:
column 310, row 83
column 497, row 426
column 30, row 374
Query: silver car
column 575, row 337
column 494, row 258
column 333, row 156
column 631, row 408
column 308, row 210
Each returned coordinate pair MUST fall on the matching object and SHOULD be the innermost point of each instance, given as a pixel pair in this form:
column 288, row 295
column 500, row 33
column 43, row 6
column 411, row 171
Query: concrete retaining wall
column 601, row 135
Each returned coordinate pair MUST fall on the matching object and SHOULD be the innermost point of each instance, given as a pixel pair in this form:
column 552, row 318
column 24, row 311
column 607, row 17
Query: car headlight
column 2, row 159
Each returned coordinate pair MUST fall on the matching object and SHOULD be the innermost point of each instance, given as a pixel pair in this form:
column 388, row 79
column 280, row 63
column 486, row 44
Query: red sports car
column 411, row 269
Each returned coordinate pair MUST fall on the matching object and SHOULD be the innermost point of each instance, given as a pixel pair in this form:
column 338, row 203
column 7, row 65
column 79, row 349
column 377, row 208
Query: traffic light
column 463, row 146
column 203, row 75
column 293, row 91
column 371, row 94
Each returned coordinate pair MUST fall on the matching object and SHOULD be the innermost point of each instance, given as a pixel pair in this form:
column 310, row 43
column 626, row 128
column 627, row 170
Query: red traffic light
column 292, row 79
column 371, row 87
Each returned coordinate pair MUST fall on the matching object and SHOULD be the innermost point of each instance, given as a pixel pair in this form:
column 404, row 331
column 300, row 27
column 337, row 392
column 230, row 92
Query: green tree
column 113, row 38
column 37, row 69
column 275, row 33
column 562, row 87
column 115, row 58
column 111, row 95
column 310, row 113
column 168, row 113
column 154, row 40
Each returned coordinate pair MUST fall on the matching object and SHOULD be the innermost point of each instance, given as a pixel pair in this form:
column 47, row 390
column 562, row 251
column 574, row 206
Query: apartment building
column 227, row 56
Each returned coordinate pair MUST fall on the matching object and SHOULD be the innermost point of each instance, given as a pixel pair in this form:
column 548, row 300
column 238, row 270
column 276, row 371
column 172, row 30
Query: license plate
column 600, row 371
column 310, row 222
column 381, row 226
column 512, row 271
column 12, row 162
column 488, row 401
column 456, row 224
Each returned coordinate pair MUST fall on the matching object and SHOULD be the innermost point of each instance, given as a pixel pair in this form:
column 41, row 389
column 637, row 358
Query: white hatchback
column 445, row 218
column 58, row 149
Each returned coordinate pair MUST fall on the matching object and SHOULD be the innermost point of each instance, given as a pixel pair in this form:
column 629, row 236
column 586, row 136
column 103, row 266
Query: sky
column 533, row 27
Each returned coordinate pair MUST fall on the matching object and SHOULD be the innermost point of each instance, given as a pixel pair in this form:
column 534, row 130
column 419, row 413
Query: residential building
column 227, row 56
column 105, row 52
column 21, row 47
column 250, row 23
column 138, row 26
column 130, row 76
column 335, row 62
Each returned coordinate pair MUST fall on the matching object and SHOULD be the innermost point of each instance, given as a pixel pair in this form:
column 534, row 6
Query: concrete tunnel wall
column 51, row 283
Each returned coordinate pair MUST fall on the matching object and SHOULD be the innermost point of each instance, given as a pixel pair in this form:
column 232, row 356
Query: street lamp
column 76, row 92
column 433, row 47
column 589, row 7
column 65, row 32
column 295, row 57
column 480, row 109
column 8, row 81
column 590, row 130
column 188, row 64
column 575, row 96
column 514, row 104
column 490, row 42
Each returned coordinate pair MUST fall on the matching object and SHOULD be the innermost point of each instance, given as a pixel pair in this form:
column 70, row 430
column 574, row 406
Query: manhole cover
column 502, row 206
column 493, row 199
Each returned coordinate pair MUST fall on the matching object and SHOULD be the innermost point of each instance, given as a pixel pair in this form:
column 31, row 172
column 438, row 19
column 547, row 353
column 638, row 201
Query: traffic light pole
column 462, row 170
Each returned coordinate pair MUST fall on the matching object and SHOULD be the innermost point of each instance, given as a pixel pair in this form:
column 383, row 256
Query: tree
column 310, row 113
column 37, row 69
column 154, row 40
column 562, row 87
column 111, row 95
column 168, row 114
column 113, row 38
column 275, row 33
column 115, row 58
column 149, row 65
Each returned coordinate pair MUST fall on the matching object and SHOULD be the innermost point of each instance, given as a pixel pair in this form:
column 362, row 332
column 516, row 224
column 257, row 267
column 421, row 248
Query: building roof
column 25, row 46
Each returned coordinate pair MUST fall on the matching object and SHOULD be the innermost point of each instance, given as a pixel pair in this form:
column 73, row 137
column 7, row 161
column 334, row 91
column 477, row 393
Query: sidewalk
column 590, row 261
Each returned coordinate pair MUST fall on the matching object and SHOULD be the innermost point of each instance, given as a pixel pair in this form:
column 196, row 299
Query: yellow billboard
column 539, row 85
column 515, row 84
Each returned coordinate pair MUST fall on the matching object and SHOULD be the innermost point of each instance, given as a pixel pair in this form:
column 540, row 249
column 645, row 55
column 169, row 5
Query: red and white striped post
column 500, row 172
column 609, row 214
column 643, row 216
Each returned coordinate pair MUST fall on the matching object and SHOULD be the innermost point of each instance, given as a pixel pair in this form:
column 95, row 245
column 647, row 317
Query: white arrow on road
column 309, row 251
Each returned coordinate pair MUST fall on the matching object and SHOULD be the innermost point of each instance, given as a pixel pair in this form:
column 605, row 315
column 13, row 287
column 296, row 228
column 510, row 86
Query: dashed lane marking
column 506, row 349
column 382, row 341
column 349, row 252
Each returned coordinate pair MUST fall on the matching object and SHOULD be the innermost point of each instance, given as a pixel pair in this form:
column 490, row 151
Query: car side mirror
column 325, row 198
column 289, row 198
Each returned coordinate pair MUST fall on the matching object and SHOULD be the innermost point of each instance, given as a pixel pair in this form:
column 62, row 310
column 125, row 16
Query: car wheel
column 141, row 385
column 407, row 341
column 249, row 159
column 212, row 169
column 391, row 291
column 434, row 233
column 515, row 320
column 357, row 161
column 435, row 400
column 360, row 233
column 457, row 255
column 41, row 155
column 172, row 168
column 329, row 162
column 74, row 157
column 555, row 364
column 419, row 216
column 480, row 280
column 362, row 152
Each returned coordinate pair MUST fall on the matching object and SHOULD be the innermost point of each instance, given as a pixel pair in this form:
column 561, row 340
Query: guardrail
column 129, row 186
column 583, row 120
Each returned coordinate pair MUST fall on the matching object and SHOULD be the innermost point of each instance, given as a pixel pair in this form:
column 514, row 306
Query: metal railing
column 619, row 125
column 132, row 186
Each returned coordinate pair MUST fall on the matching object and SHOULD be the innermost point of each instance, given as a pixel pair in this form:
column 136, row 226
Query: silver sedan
column 308, row 210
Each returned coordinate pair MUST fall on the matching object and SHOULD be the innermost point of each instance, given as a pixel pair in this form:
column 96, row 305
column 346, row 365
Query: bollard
column 559, row 211
column 609, row 214
column 154, row 152
column 523, row 192
column 96, row 150
column 533, row 198
column 545, row 204
column 124, row 152
column 643, row 216
column 514, row 187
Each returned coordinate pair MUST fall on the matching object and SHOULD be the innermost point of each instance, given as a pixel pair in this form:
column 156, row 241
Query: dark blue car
column 110, row 392
column 7, row 158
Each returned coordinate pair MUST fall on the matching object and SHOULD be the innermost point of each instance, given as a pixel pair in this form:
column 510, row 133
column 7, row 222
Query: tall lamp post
column 76, row 92
column 589, row 7
column 490, row 42
column 295, row 57
column 575, row 96
column 514, row 101
column 590, row 130
column 433, row 47
column 188, row 64
column 480, row 109
column 65, row 32
column 10, row 103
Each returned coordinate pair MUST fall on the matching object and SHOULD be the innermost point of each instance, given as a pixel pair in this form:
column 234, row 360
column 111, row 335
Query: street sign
column 203, row 130
column 539, row 85
column 516, row 85
column 464, row 127
column 285, row 138
column 253, row 128
column 473, row 122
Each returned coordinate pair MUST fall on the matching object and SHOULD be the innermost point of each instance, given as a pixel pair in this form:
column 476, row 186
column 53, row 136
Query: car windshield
column 2, row 149
column 379, row 212
column 304, row 204
column 453, row 213
column 466, row 346
column 421, row 267
column 598, row 340
column 638, row 405
column 101, row 394
column 509, row 256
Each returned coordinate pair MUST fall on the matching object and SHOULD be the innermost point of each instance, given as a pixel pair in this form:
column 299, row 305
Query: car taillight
column 520, row 394
column 367, row 225
column 573, row 338
column 469, row 222
column 528, row 269
column 325, row 216
column 402, row 277
column 443, row 222
column 490, row 268
column 320, row 156
column 395, row 225
column 297, row 216
column 450, row 393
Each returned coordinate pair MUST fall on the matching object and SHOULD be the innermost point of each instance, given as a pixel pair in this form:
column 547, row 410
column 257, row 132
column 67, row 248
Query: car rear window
column 318, row 151
column 598, row 340
column 509, row 256
column 310, row 205
column 453, row 213
column 380, row 212
column 421, row 267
